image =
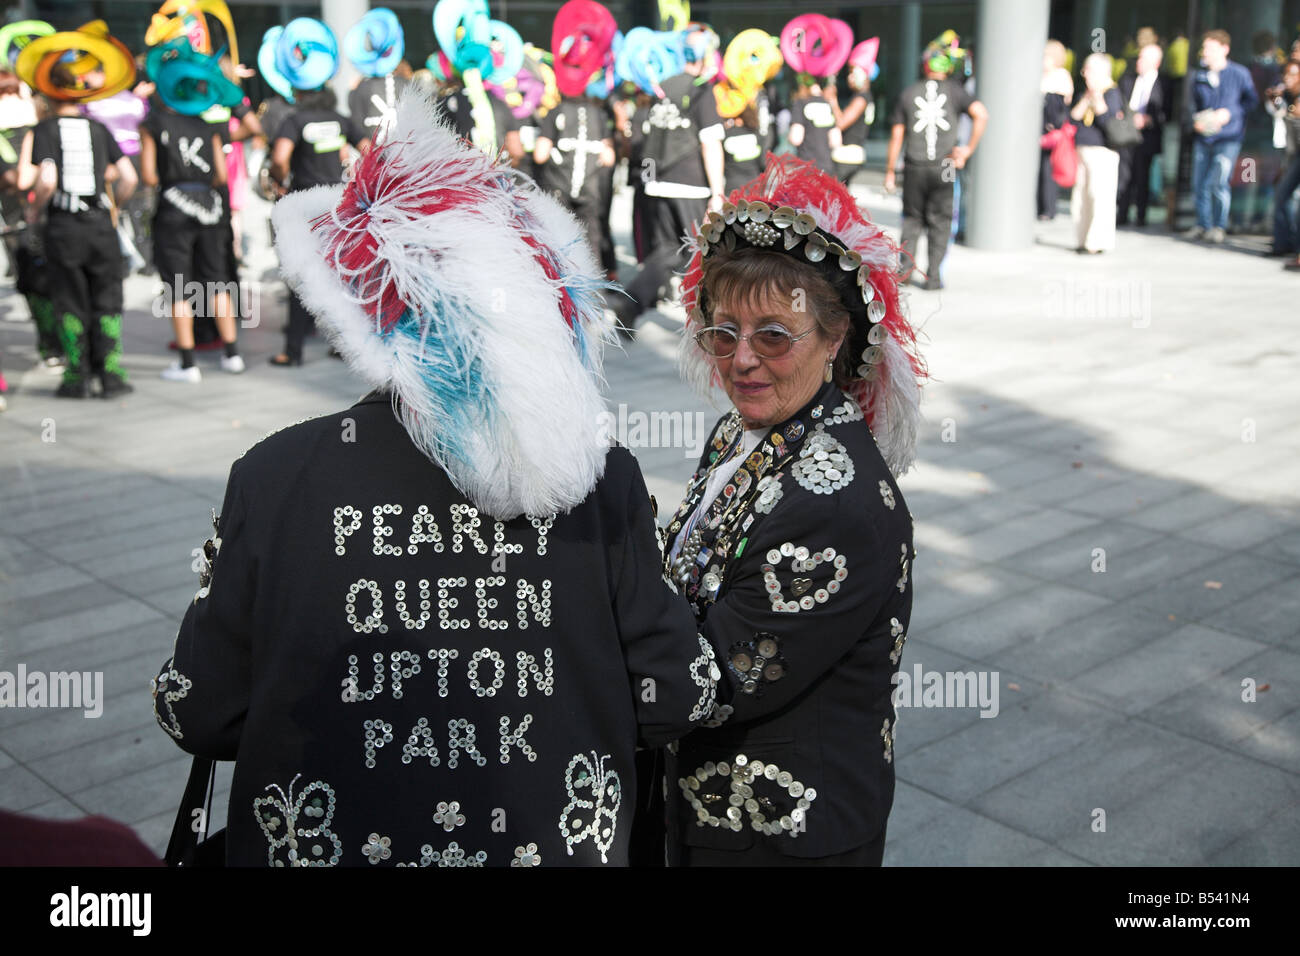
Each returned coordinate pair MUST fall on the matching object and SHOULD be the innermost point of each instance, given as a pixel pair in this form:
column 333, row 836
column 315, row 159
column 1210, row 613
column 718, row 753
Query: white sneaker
column 174, row 373
column 54, row 364
column 234, row 364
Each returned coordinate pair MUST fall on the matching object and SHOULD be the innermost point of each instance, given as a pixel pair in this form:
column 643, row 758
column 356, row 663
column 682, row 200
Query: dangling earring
column 830, row 372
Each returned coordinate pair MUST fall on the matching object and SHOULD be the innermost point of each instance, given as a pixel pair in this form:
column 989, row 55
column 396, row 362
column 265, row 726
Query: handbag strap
column 184, row 842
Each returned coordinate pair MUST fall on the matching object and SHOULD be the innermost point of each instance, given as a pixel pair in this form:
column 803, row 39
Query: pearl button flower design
column 377, row 848
column 526, row 856
column 449, row 815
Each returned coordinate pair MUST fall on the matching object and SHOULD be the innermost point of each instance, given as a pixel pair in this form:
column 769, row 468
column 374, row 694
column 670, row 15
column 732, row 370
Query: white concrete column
column 1009, row 39
column 341, row 16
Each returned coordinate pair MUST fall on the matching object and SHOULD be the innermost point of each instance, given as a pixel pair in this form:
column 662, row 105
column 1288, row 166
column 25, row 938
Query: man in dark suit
column 1147, row 95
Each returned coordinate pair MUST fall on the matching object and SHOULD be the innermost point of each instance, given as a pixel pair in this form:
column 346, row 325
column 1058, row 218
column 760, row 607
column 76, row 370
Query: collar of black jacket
column 375, row 396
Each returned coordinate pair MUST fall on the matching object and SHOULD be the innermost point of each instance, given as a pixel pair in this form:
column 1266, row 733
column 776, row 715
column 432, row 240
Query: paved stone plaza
column 1135, row 411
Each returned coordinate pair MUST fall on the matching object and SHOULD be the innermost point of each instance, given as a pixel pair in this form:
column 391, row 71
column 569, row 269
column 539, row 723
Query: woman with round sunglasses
column 794, row 544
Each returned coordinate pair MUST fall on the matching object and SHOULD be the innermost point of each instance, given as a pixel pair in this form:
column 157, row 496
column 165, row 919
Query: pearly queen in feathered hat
column 457, row 285
column 795, row 208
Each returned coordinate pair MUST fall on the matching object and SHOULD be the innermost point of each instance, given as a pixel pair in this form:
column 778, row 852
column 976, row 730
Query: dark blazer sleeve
column 844, row 531
column 671, row 668
column 202, row 693
column 1158, row 102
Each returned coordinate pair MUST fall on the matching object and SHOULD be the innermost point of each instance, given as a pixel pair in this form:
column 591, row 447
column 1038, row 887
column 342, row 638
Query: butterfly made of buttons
column 595, row 795
column 298, row 829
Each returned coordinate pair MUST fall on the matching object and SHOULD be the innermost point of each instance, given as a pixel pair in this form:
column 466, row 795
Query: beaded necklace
column 719, row 535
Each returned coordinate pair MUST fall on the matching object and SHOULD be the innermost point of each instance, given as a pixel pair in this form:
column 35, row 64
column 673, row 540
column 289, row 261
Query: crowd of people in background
column 1115, row 125
column 167, row 175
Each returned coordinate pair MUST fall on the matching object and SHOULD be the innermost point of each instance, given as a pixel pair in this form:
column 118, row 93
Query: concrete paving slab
column 1230, row 706
column 991, row 751
column 1145, row 568
column 1192, row 816
column 1166, row 666
column 988, row 633
column 1110, row 634
column 1057, row 799
column 1230, row 580
column 962, row 838
column 1276, row 842
column 1272, row 614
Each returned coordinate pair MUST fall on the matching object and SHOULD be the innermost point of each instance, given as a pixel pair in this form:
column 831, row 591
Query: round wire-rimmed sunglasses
column 771, row 341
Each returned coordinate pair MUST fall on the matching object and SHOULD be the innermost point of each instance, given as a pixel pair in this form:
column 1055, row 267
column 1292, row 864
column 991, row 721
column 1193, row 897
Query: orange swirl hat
column 85, row 51
column 188, row 18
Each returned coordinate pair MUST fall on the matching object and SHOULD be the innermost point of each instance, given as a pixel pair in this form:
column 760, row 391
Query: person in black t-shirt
column 634, row 148
column 275, row 109
column 25, row 246
column 682, row 168
column 924, row 130
column 854, row 122
column 748, row 138
column 372, row 103
column 236, row 124
column 501, row 133
column 182, row 156
column 575, row 150
column 66, row 159
column 308, row 151
column 813, row 130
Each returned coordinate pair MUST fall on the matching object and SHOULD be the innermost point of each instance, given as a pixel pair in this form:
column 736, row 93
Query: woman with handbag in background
column 1058, row 90
column 1093, row 202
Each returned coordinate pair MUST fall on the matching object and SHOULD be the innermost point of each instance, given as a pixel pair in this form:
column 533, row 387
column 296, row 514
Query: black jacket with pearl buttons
column 801, row 755
column 400, row 679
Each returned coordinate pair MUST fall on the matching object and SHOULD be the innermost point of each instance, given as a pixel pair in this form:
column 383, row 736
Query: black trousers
column 765, row 853
column 1049, row 193
column 845, row 172
column 85, row 270
column 227, row 268
column 608, row 261
column 592, row 213
column 927, row 206
column 1134, row 182
column 641, row 240
column 301, row 322
column 669, row 220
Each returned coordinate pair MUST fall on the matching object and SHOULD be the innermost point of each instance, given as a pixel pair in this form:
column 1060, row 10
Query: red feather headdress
column 795, row 208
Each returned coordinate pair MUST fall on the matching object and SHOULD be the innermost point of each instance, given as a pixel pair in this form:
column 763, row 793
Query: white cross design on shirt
column 930, row 116
column 189, row 147
column 384, row 119
column 387, row 111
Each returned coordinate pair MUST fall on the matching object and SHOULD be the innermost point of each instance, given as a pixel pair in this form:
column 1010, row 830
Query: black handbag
column 1120, row 130
column 188, row 846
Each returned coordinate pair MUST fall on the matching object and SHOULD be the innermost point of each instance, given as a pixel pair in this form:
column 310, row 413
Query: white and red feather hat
column 795, row 208
column 453, row 282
